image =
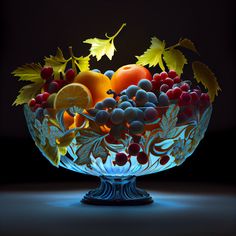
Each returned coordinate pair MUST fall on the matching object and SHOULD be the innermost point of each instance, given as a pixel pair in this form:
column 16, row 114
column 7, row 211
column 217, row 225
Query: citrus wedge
column 74, row 94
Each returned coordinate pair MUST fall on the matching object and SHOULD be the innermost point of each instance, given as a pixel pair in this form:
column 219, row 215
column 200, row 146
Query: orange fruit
column 73, row 94
column 128, row 75
column 97, row 83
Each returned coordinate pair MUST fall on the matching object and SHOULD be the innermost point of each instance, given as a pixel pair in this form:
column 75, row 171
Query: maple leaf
column 203, row 74
column 153, row 55
column 100, row 47
column 175, row 60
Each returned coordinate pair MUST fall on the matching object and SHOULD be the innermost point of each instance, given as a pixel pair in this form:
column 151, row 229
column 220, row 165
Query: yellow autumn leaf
column 82, row 63
column 100, row 47
column 187, row 43
column 153, row 55
column 175, row 60
column 203, row 74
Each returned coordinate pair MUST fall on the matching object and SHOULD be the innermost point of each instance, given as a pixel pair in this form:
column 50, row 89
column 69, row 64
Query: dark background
column 32, row 29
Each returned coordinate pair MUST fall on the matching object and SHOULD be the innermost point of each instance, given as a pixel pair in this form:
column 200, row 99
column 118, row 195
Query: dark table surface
column 178, row 209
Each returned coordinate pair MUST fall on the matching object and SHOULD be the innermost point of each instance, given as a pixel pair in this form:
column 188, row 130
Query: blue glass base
column 117, row 191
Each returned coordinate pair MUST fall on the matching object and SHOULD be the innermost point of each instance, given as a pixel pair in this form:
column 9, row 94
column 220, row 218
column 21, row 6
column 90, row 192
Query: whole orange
column 97, row 83
column 128, row 75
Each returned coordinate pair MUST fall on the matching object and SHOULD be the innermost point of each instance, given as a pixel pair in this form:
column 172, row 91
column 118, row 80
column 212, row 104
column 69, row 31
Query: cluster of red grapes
column 50, row 88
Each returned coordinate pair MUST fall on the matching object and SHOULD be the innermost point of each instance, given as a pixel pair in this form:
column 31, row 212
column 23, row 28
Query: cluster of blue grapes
column 129, row 111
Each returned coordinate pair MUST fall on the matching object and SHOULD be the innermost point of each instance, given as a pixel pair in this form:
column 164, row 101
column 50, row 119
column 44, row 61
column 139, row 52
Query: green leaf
column 57, row 62
column 100, row 47
column 29, row 72
column 187, row 43
column 153, row 55
column 203, row 74
column 27, row 92
column 90, row 142
column 82, row 63
column 175, row 60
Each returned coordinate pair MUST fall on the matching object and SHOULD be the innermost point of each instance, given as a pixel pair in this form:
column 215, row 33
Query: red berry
column 172, row 74
column 32, row 102
column 154, row 85
column 185, row 99
column 46, row 72
column 142, row 158
column 121, row 159
column 164, row 88
column 53, row 87
column 205, row 99
column 164, row 159
column 177, row 80
column 45, row 96
column 195, row 97
column 156, row 77
column 185, row 87
column 198, row 91
column 177, row 92
column 70, row 75
column 169, row 82
column 133, row 149
column 163, row 75
column 170, row 94
column 39, row 98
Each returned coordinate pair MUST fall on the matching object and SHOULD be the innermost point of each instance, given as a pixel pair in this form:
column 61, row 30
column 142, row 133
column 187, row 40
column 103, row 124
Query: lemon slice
column 74, row 94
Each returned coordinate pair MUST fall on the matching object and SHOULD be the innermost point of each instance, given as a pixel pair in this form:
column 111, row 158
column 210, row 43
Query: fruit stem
column 112, row 37
column 72, row 59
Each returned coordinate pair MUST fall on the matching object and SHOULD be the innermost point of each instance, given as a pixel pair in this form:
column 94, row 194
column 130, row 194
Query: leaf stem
column 171, row 47
column 112, row 37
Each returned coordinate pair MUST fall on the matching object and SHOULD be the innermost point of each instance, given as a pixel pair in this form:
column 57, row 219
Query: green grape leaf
column 153, row 55
column 187, row 43
column 203, row 74
column 27, row 92
column 90, row 142
column 100, row 47
column 175, row 60
column 29, row 72
column 57, row 62
column 82, row 63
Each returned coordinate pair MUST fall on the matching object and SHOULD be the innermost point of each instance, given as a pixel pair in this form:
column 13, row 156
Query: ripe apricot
column 128, row 75
column 97, row 83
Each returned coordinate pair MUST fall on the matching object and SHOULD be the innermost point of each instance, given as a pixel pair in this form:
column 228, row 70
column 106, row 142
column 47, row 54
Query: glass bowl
column 87, row 149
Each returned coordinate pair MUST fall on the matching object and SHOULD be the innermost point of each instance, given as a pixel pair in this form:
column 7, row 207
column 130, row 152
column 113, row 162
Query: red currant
column 156, row 77
column 163, row 75
column 169, row 82
column 133, row 149
column 39, row 98
column 70, row 75
column 177, row 92
column 46, row 72
column 164, row 159
column 172, row 74
column 45, row 96
column 121, row 159
column 185, row 87
column 177, row 80
column 32, row 102
column 142, row 158
column 170, row 94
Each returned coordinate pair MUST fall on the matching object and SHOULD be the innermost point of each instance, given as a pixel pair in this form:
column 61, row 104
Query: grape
column 164, row 88
column 50, row 100
column 130, row 114
column 109, row 73
column 150, row 114
column 39, row 113
column 163, row 75
column 141, row 97
column 169, row 82
column 177, row 92
column 170, row 94
column 96, row 70
column 145, row 84
column 185, row 99
column 140, row 114
column 45, row 96
column 46, row 72
column 109, row 102
column 185, row 87
column 164, row 159
column 131, row 90
column 123, row 92
column 121, row 159
column 136, row 127
column 117, row 116
column 172, row 74
column 157, row 77
column 124, row 105
column 154, row 85
column 123, row 98
column 102, row 117
column 195, row 97
column 132, row 102
column 53, row 87
column 99, row 106
column 133, row 149
column 116, row 130
column 142, row 158
column 205, row 99
column 198, row 91
column 152, row 97
column 32, row 102
column 149, row 104
column 163, row 100
column 177, row 80
column 70, row 75
column 39, row 98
